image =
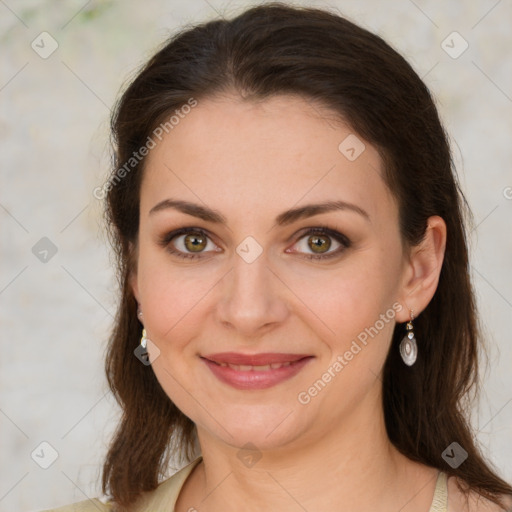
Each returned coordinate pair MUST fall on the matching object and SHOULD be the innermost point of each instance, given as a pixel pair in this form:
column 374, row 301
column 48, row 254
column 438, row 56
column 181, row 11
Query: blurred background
column 62, row 66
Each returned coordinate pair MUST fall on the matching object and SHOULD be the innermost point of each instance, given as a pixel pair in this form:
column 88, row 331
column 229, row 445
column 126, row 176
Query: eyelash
column 166, row 240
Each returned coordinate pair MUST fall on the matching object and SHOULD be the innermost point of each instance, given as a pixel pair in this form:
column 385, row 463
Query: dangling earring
column 408, row 345
column 142, row 351
column 144, row 339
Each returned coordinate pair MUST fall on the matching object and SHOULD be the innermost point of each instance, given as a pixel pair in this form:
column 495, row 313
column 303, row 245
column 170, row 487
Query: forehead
column 245, row 156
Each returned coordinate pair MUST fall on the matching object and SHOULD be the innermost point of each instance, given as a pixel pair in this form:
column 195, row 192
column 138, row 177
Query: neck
column 351, row 467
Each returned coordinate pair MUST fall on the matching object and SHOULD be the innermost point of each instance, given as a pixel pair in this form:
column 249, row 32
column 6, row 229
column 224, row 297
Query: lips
column 255, row 371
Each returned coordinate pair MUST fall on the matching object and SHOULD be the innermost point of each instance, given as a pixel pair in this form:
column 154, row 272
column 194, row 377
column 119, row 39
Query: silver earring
column 408, row 345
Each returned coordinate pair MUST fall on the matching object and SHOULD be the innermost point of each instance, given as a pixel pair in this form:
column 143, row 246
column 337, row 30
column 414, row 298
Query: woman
column 297, row 319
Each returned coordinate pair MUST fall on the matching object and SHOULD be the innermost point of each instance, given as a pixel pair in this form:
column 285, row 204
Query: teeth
column 261, row 368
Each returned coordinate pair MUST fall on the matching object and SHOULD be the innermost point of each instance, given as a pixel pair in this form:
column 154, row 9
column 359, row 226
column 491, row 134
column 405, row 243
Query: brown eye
column 195, row 242
column 319, row 243
column 316, row 243
column 188, row 243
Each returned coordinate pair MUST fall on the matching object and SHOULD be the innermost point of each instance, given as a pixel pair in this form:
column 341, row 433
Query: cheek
column 346, row 298
column 173, row 298
column 356, row 303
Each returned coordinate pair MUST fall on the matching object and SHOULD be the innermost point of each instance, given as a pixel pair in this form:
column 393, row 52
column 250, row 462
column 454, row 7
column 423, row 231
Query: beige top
column 164, row 497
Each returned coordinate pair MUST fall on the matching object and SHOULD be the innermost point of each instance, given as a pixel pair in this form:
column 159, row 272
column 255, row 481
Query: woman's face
column 268, row 333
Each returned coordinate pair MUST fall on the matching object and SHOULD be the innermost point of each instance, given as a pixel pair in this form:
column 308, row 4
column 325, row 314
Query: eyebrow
column 283, row 219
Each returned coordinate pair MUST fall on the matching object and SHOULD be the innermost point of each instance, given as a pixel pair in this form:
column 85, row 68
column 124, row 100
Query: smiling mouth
column 258, row 371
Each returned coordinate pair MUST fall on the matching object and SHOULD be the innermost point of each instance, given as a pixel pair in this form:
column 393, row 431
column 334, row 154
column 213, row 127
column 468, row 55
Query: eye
column 187, row 243
column 318, row 240
column 193, row 243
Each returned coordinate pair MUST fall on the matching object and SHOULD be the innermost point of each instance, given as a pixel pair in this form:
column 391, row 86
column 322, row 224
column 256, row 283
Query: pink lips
column 256, row 371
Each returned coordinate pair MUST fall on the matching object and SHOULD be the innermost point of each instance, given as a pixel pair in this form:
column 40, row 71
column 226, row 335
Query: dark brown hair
column 278, row 49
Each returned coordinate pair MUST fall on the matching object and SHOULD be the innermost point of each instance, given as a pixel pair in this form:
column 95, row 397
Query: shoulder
column 91, row 505
column 165, row 496
column 474, row 502
column 161, row 498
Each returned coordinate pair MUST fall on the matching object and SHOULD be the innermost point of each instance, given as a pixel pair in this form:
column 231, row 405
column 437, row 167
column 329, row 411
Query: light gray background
column 54, row 136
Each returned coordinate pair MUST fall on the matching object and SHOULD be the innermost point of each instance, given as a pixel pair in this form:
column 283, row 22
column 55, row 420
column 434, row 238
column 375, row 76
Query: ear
column 132, row 278
column 422, row 270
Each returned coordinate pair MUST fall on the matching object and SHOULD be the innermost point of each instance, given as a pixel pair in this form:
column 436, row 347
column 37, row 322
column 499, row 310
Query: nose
column 253, row 298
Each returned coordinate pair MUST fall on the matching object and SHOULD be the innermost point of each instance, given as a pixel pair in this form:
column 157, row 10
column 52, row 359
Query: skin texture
column 251, row 161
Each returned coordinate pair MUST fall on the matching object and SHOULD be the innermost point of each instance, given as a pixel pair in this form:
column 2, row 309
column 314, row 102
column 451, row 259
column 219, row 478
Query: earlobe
column 424, row 269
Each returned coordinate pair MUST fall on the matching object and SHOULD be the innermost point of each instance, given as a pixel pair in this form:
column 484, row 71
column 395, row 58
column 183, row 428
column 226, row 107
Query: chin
column 264, row 427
